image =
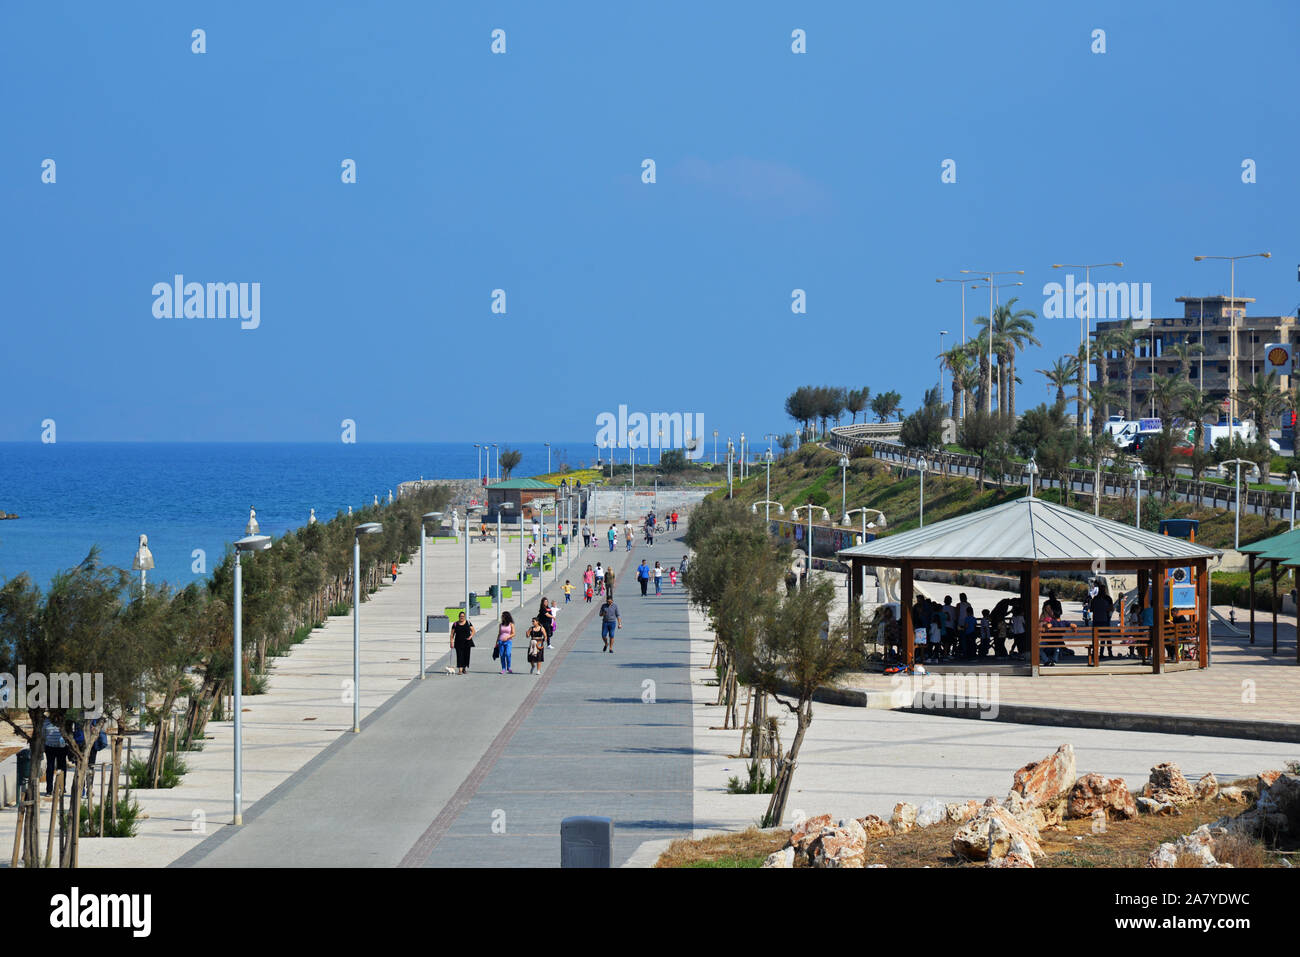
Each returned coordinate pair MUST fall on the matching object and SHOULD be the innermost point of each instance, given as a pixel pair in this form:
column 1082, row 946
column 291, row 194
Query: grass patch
column 339, row 609
column 742, row 849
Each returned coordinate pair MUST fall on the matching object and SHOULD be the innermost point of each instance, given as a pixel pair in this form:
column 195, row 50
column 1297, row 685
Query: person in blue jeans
column 609, row 621
column 659, row 578
column 612, row 535
column 643, row 575
column 505, row 639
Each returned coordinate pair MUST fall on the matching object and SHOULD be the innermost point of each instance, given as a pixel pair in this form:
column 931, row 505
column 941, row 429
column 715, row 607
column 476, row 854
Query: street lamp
column 742, row 456
column 144, row 559
column 1139, row 473
column 844, row 472
column 715, row 446
column 250, row 543
column 478, row 462
column 1293, row 486
column 1236, row 505
column 767, row 460
column 1031, row 469
column 921, row 466
column 548, row 457
column 1232, row 331
column 883, row 523
column 997, row 301
column 988, row 277
column 497, row 457
column 780, row 509
column 469, row 513
column 365, row 528
column 942, row 333
column 497, row 558
column 1085, row 328
column 426, row 517
column 794, row 516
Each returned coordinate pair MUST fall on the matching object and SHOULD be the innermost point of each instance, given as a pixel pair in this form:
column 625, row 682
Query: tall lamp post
column 742, row 456
column 921, row 466
column 144, row 559
column 794, row 516
column 844, row 486
column 997, row 301
column 470, row 511
column 365, row 528
column 1031, row 469
column 767, row 459
column 424, row 621
column 988, row 277
column 250, row 543
column 1085, row 328
column 1232, row 331
column 942, row 333
column 497, row 558
column 548, row 457
column 1139, row 473
column 496, row 456
column 478, row 462
column 1236, row 504
column 1293, row 486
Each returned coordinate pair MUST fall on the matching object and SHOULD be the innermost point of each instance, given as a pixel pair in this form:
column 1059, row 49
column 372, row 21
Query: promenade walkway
column 480, row 769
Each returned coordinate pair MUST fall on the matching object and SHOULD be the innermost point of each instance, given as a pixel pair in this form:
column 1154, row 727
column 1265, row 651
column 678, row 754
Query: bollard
column 586, row 841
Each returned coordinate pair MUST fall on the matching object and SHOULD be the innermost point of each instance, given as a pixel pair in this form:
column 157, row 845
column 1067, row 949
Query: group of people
column 644, row 573
column 952, row 632
column 539, row 634
column 57, row 749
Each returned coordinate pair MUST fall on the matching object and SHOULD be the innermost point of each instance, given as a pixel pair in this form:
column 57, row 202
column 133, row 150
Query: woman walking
column 462, row 639
column 505, row 636
column 536, row 647
column 659, row 579
column 546, row 618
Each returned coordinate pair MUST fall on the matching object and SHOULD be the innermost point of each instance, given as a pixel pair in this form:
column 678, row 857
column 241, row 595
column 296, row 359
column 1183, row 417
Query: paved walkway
column 480, row 769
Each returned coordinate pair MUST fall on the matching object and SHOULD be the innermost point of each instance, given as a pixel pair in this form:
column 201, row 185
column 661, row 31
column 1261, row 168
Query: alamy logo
column 75, row 909
column 658, row 430
column 58, row 690
column 179, row 299
column 1097, row 300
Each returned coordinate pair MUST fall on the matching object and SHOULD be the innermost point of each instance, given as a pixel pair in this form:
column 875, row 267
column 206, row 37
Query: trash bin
column 24, row 762
column 492, row 590
column 586, row 842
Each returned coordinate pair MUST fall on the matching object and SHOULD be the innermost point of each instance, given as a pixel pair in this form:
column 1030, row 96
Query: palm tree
column 1184, row 351
column 957, row 361
column 1168, row 393
column 1013, row 330
column 968, row 380
column 1125, row 340
column 1061, row 374
column 1196, row 408
column 1263, row 399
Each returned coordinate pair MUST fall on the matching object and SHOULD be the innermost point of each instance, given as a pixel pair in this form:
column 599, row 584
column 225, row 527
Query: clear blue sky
column 522, row 172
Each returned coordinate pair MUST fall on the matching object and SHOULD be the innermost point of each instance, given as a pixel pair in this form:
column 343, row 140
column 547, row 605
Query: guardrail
column 1119, row 485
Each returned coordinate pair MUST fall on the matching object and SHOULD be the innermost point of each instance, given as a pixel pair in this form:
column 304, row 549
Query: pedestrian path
column 480, row 769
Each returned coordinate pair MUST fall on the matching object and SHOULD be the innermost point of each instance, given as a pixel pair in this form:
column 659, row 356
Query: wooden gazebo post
column 1158, row 619
column 905, row 609
column 1203, row 616
column 1250, row 559
column 1031, row 614
column 1272, row 574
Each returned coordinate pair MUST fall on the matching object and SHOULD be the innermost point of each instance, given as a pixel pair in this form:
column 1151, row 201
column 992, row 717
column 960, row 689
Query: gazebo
column 1282, row 554
column 1030, row 536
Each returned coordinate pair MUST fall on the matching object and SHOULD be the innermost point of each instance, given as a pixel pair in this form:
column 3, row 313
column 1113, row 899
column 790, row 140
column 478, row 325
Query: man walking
column 612, row 535
column 643, row 575
column 609, row 621
column 627, row 535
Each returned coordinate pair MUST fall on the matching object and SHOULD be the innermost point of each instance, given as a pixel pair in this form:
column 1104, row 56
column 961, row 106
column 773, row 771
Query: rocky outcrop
column 781, row 858
column 1232, row 795
column 1276, row 814
column 1046, row 785
column 1207, row 788
column 960, row 813
column 930, row 813
column 1093, row 792
column 1153, row 806
column 874, row 826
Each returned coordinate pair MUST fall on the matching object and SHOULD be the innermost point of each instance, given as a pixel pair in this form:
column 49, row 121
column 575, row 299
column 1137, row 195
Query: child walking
column 568, row 591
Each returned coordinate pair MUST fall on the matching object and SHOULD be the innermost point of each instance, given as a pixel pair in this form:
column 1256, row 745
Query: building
column 523, row 494
column 1210, row 321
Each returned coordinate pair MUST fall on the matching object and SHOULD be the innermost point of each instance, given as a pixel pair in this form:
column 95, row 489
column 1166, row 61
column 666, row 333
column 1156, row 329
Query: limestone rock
column 1167, row 784
column 929, row 813
column 991, row 833
column 874, row 826
column 854, row 830
column 1267, row 779
column 781, row 858
column 1047, row 784
column 1199, row 845
column 836, row 847
column 1148, row 805
column 904, row 817
column 1207, row 787
column 960, row 813
column 1231, row 795
column 1092, row 793
column 1276, row 815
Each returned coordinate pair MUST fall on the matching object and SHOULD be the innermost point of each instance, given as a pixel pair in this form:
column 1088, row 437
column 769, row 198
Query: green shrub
column 256, row 684
column 340, row 608
column 758, row 782
column 126, row 824
column 173, row 770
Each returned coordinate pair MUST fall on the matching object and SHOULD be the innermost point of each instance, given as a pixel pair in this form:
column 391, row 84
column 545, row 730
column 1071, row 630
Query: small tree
column 923, row 429
column 796, row 650
column 887, row 404
column 509, row 461
column 980, row 431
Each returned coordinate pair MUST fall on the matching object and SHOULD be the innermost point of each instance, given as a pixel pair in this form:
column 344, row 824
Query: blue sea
column 187, row 496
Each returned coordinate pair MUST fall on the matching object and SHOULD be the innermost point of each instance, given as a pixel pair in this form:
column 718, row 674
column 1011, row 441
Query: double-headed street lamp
column 780, row 509
column 844, row 472
column 1085, row 328
column 988, row 277
column 250, row 543
column 794, row 516
column 921, row 466
column 767, row 460
column 470, row 511
column 883, row 523
column 1236, row 504
column 1232, row 331
column 365, row 528
column 1139, row 473
column 1031, row 469
column 496, row 558
column 426, row 517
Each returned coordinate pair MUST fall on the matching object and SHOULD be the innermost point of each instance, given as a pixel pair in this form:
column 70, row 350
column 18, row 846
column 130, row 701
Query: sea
column 194, row 497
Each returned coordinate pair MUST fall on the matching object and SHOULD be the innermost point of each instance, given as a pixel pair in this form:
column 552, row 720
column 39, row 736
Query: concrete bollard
column 587, row 841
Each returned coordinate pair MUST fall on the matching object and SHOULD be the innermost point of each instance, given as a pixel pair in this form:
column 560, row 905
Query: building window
column 1223, row 338
column 1223, row 368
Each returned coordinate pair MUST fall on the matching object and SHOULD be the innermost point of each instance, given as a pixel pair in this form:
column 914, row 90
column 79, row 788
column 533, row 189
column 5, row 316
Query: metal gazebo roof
column 1027, row 530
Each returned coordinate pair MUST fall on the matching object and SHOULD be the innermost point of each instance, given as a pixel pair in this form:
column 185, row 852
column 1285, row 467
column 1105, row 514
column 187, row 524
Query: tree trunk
column 776, row 806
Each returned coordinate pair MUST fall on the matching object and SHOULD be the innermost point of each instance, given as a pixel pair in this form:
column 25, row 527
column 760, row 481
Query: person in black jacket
column 1101, row 608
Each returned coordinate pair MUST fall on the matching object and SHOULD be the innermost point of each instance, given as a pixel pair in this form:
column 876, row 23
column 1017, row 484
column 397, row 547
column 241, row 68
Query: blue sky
column 521, row 171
